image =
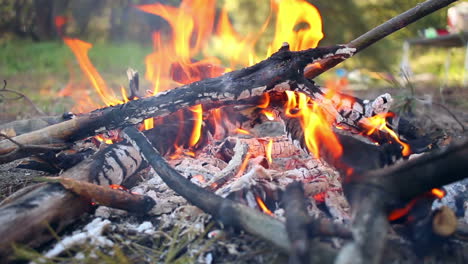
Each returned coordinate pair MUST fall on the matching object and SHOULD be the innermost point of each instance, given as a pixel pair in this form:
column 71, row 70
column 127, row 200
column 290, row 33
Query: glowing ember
column 316, row 127
column 269, row 115
column 148, row 123
column 268, row 149
column 200, row 178
column 242, row 131
column 379, row 122
column 102, row 139
column 320, row 197
column 118, row 187
column 439, row 193
column 263, row 206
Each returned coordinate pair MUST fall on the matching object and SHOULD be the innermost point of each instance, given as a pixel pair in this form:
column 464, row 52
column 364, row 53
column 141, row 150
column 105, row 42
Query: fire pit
column 250, row 165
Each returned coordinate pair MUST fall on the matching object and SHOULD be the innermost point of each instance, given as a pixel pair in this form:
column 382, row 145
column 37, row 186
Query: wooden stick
column 219, row 179
column 414, row 14
column 106, row 196
column 297, row 220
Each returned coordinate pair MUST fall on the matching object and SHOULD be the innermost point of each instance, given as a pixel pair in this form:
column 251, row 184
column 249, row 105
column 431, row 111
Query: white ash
column 146, row 227
column 190, row 167
column 456, row 196
column 92, row 234
column 338, row 207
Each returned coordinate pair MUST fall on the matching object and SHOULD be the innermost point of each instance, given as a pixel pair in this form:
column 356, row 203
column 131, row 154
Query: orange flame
column 317, row 129
column 439, row 193
column 102, row 139
column 200, row 178
column 263, row 206
column 243, row 166
column 401, row 212
column 193, row 34
column 268, row 149
column 379, row 122
column 269, row 115
column 242, row 131
column 196, row 132
column 80, row 49
column 293, row 14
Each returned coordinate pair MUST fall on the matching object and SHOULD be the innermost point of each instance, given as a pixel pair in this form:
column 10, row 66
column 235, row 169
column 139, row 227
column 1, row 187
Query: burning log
column 26, row 219
column 282, row 71
column 372, row 193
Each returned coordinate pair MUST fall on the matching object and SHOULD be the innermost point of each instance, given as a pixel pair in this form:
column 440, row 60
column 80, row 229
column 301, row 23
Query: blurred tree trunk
column 45, row 12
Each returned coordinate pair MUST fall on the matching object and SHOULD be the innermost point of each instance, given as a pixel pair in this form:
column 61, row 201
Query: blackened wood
column 396, row 23
column 26, row 219
column 407, row 180
column 274, row 73
column 357, row 156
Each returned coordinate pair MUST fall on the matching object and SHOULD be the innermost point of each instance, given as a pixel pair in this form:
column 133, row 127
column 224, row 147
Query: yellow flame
column 263, row 206
column 317, row 129
column 379, row 122
column 268, row 149
column 197, row 126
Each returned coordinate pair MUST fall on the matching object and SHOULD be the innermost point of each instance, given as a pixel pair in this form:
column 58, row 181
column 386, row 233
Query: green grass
column 174, row 246
column 26, row 57
column 41, row 69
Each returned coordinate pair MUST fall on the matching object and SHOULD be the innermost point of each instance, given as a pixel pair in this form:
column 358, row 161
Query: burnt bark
column 282, row 71
column 26, row 218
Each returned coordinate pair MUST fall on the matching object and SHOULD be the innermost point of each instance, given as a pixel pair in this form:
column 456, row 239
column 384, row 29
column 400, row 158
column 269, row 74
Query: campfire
column 215, row 147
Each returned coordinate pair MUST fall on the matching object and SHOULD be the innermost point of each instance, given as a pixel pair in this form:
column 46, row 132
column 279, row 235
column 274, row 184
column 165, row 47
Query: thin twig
column 11, row 140
column 30, row 149
column 21, row 96
column 452, row 114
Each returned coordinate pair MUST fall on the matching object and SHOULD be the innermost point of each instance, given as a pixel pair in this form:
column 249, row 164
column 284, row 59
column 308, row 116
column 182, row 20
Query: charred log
column 26, row 219
column 282, row 71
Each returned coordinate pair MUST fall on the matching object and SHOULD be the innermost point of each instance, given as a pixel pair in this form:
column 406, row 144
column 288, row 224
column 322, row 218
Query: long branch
column 365, row 40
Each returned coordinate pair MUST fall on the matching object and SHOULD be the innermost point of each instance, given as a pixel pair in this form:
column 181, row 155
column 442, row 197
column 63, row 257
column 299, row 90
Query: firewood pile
column 279, row 168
